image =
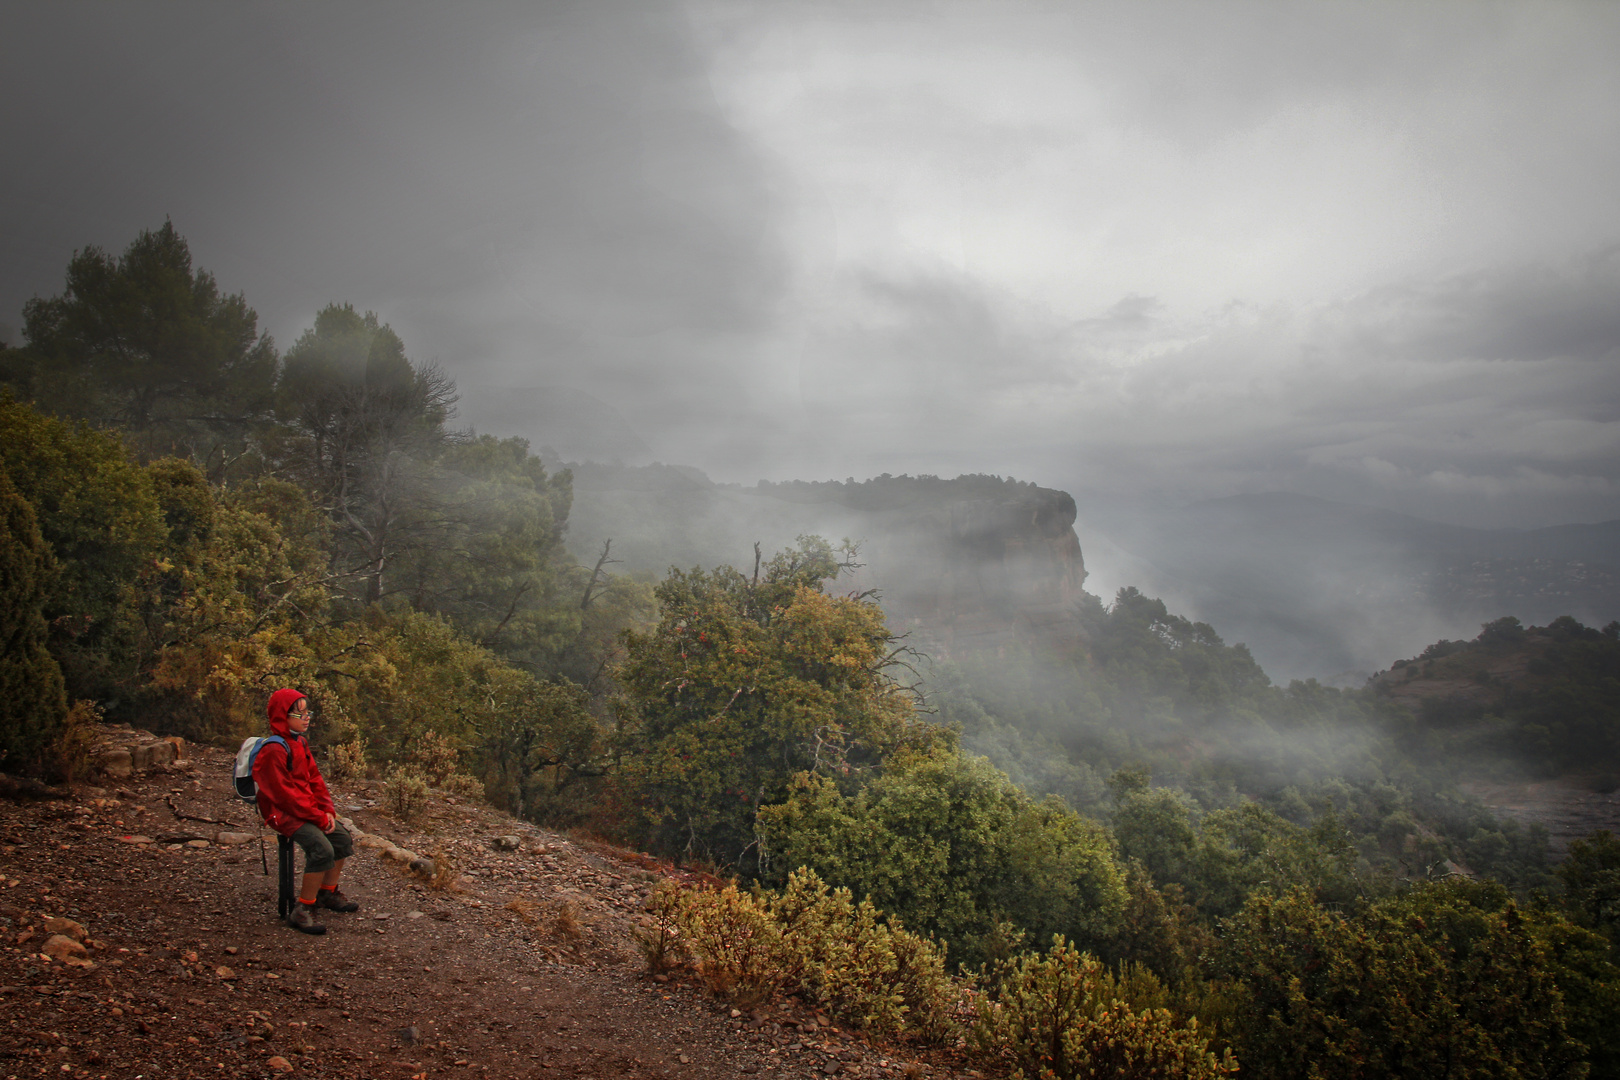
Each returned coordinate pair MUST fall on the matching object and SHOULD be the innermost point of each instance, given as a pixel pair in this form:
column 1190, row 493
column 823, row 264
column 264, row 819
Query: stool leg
column 284, row 865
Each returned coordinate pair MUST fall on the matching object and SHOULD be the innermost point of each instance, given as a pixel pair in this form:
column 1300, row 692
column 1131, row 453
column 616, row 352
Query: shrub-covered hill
column 1543, row 698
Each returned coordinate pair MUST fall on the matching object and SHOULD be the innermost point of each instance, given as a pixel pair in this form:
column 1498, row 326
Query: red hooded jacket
column 291, row 789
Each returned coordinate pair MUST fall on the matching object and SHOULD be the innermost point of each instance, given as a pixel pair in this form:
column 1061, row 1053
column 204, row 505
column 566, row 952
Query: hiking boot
column 302, row 919
column 332, row 900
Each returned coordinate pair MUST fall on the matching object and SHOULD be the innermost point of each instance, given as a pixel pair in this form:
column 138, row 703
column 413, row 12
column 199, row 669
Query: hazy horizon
column 1367, row 253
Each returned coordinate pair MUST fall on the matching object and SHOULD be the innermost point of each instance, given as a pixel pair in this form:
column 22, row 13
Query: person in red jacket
column 293, row 801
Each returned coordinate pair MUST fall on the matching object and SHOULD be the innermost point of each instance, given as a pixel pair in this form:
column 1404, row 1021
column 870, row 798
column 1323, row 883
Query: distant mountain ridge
column 1316, row 588
column 1328, row 589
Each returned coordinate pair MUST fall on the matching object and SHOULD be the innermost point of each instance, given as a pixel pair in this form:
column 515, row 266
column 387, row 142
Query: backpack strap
column 266, row 742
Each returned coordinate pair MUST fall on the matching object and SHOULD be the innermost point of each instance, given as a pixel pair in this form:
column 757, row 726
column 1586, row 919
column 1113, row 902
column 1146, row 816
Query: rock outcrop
column 121, row 751
column 969, row 565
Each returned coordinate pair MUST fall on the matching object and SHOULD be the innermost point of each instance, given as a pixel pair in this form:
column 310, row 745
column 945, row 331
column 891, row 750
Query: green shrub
column 405, row 792
column 463, row 786
column 809, row 940
column 733, row 942
column 434, row 756
column 349, row 759
column 32, row 705
column 660, row 939
column 842, row 955
column 1065, row 1015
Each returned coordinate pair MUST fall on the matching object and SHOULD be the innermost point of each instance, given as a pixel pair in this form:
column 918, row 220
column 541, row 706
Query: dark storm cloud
column 1365, row 251
column 533, row 194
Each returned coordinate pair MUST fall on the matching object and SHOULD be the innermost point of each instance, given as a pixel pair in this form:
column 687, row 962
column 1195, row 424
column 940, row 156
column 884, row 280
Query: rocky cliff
column 974, row 562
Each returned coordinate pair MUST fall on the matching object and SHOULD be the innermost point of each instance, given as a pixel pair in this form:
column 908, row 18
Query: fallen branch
column 169, row 799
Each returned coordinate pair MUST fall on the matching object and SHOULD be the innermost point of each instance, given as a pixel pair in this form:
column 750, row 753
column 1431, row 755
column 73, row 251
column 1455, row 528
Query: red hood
column 281, row 703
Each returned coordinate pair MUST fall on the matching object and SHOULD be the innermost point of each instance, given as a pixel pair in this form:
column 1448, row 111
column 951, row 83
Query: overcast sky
column 1369, row 252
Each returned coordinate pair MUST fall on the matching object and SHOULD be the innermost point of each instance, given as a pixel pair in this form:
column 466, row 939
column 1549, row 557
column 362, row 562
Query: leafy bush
column 76, row 739
column 660, row 939
column 463, row 786
column 32, row 705
column 1064, row 1015
column 435, row 757
column 733, row 942
column 872, row 973
column 1446, row 980
column 349, row 759
column 405, row 792
column 943, row 840
column 808, row 940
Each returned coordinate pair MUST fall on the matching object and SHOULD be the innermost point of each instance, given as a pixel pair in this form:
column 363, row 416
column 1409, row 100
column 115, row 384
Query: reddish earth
column 526, row 968
column 1568, row 808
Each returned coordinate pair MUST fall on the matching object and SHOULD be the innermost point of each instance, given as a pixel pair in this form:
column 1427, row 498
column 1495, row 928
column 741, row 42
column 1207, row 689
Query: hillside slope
column 525, row 967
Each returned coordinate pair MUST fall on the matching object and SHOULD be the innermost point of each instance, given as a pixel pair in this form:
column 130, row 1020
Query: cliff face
column 976, row 562
column 971, row 571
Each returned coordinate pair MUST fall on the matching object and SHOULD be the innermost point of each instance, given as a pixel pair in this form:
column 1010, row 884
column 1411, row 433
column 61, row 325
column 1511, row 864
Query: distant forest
column 1192, row 868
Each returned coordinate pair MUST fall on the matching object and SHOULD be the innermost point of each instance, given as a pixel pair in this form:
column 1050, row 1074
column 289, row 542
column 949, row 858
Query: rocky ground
column 140, row 941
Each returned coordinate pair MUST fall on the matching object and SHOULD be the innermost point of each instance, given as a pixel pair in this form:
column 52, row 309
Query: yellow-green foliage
column 867, row 969
column 97, row 514
column 349, row 759
column 1448, row 979
column 743, row 683
column 463, row 786
column 405, row 792
column 435, row 756
column 809, row 940
column 733, row 942
column 1064, row 1015
column 249, row 613
column 945, row 841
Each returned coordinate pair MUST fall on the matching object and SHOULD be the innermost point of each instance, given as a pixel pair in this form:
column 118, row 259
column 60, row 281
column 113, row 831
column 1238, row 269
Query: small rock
column 136, row 839
column 832, row 1068
column 279, row 1063
column 425, row 867
column 685, row 1060
column 410, row 1034
column 413, row 914
column 151, row 755
column 198, row 844
column 380, row 916
column 60, row 947
column 233, row 839
column 54, row 925
column 506, row 843
column 224, row 972
column 116, row 764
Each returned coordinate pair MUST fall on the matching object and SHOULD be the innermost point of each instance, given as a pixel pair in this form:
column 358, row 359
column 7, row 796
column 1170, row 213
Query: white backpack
column 245, row 787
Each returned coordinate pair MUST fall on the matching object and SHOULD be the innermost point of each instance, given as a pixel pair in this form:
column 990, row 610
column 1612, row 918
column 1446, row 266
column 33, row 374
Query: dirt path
column 529, row 970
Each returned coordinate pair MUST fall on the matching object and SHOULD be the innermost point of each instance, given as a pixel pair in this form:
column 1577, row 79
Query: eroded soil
column 526, row 968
